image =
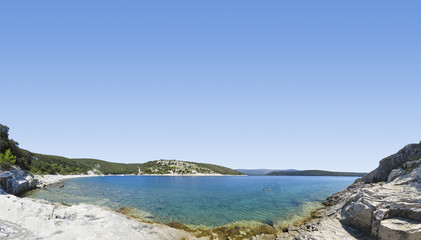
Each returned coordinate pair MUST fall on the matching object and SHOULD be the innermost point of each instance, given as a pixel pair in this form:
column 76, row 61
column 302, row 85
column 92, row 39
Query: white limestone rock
column 395, row 173
column 399, row 229
column 358, row 215
column 24, row 218
column 16, row 181
column 372, row 208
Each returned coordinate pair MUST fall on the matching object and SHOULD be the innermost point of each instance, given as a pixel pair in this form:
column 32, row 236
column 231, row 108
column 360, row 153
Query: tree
column 7, row 159
column 23, row 157
column 4, row 138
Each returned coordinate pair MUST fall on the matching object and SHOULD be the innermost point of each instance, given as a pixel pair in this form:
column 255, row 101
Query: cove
column 208, row 201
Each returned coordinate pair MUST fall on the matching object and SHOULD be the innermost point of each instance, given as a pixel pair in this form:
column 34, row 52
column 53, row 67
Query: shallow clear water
column 209, row 201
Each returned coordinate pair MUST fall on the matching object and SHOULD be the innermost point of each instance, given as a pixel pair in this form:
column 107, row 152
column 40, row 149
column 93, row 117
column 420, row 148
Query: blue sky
column 329, row 85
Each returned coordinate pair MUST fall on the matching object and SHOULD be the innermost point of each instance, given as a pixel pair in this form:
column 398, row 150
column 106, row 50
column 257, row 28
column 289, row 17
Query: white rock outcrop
column 371, row 205
column 397, row 228
column 25, row 218
column 16, row 181
column 384, row 204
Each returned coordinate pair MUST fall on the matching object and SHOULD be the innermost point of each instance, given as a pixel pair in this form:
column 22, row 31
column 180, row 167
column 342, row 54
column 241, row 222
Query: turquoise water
column 209, row 201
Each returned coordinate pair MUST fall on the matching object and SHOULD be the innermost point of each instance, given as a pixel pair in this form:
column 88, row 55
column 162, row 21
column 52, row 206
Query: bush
column 7, row 159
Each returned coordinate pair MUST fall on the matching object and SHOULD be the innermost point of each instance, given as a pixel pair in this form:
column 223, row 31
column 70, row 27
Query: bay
column 209, row 201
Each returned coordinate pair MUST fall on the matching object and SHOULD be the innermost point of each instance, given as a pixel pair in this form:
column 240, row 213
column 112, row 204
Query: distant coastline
column 189, row 175
column 295, row 172
column 316, row 173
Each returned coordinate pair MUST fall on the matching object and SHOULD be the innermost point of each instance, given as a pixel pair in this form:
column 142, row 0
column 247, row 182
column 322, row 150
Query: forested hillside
column 49, row 164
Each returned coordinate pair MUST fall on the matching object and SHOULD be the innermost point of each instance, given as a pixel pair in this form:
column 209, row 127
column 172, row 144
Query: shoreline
column 384, row 204
column 234, row 230
column 29, row 218
column 193, row 175
column 50, row 179
column 57, row 215
column 45, row 180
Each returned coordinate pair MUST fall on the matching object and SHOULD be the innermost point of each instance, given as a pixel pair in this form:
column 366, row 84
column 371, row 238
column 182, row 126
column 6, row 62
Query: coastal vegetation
column 174, row 167
column 218, row 169
column 21, row 157
column 49, row 164
column 7, row 159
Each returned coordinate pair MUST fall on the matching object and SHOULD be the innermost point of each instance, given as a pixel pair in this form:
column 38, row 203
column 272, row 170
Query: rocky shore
column 15, row 181
column 384, row 204
column 44, row 180
column 26, row 218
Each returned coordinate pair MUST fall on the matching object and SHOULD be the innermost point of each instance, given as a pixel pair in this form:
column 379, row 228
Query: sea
column 208, row 201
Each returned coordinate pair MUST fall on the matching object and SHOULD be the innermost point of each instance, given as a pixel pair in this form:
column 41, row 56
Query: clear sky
column 332, row 85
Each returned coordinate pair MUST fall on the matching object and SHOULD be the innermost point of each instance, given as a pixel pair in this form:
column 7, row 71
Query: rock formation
column 16, row 181
column 393, row 163
column 25, row 218
column 384, row 204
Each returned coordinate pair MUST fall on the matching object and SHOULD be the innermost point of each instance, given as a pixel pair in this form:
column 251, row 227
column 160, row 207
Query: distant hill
column 219, row 169
column 183, row 167
column 38, row 163
column 50, row 164
column 261, row 171
column 315, row 173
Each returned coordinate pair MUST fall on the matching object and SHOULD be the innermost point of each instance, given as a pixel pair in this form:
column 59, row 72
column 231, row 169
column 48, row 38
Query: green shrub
column 7, row 159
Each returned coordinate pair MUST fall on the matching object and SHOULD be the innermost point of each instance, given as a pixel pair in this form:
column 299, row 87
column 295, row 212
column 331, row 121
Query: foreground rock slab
column 24, row 218
column 399, row 229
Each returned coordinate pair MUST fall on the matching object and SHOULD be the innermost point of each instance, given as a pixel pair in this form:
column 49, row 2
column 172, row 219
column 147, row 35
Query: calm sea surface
column 209, row 201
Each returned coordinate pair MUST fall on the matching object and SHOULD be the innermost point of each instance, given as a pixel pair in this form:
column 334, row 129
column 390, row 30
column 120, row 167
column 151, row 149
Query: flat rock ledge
column 25, row 218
